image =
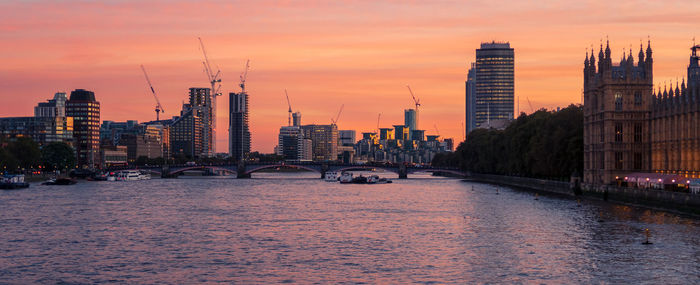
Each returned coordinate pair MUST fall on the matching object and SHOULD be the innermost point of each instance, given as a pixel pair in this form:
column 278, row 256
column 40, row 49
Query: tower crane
column 335, row 122
column 532, row 110
column 416, row 101
column 289, row 119
column 214, row 78
column 159, row 107
column 244, row 76
column 436, row 129
column 378, row 117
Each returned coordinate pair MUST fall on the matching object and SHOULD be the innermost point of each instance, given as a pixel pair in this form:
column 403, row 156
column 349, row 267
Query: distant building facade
column 490, row 86
column 85, row 110
column 239, row 131
column 49, row 123
column 410, row 119
column 324, row 140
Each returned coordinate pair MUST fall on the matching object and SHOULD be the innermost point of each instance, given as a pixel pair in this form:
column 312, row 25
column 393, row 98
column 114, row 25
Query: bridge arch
column 201, row 167
column 293, row 166
column 366, row 167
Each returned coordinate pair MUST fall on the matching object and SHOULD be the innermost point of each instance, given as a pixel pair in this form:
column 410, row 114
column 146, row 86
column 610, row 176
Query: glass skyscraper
column 492, row 93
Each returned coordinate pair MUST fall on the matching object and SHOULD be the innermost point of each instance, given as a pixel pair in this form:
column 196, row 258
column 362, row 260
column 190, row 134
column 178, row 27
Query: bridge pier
column 240, row 170
column 324, row 169
column 164, row 170
column 403, row 173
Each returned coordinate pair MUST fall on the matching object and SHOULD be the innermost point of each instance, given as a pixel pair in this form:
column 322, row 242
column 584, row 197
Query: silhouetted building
column 490, row 85
column 85, row 111
column 239, row 132
column 470, row 86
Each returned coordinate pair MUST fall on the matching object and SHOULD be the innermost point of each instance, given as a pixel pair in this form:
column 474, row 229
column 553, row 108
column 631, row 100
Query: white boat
column 346, row 177
column 331, row 177
column 129, row 175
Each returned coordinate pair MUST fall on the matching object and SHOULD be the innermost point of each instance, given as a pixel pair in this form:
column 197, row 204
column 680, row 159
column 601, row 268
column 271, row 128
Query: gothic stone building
column 675, row 123
column 617, row 112
column 630, row 128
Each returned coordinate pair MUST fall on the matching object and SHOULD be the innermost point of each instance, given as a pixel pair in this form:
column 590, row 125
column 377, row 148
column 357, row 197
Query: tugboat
column 13, row 181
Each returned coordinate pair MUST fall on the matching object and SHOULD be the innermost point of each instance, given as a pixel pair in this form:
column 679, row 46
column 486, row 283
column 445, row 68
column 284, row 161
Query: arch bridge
column 244, row 170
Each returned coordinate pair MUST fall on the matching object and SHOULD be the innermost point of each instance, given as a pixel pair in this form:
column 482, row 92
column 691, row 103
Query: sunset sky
column 358, row 53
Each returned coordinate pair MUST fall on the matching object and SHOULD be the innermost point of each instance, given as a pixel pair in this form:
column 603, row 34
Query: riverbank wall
column 668, row 200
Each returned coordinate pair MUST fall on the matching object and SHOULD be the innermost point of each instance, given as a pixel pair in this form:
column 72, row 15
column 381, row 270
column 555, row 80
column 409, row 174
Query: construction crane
column 335, row 122
column 214, row 78
column 378, row 117
column 289, row 119
column 159, row 107
column 416, row 101
column 244, row 76
column 532, row 110
column 436, row 129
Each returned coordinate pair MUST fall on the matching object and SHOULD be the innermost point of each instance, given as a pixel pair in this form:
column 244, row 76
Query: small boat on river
column 10, row 181
column 60, row 181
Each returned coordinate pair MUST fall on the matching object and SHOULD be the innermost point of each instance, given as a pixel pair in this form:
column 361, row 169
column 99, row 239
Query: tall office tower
column 470, row 121
column 85, row 111
column 324, row 139
column 239, row 132
column 55, row 107
column 493, row 79
column 616, row 109
column 410, row 120
column 296, row 119
column 200, row 102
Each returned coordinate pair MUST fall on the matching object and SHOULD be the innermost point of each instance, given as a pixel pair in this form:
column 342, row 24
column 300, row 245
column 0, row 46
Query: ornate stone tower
column 617, row 108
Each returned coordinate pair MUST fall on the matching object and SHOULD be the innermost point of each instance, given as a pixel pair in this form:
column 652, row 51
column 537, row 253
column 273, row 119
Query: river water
column 294, row 228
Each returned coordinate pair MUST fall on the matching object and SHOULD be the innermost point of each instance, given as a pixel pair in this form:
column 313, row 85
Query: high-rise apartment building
column 239, row 132
column 292, row 144
column 85, row 111
column 201, row 103
column 186, row 133
column 490, row 85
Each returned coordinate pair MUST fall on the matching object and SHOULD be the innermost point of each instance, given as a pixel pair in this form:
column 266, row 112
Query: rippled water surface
column 295, row 228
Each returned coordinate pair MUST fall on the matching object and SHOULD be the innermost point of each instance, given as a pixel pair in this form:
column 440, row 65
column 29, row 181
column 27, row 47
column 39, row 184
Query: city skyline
column 319, row 51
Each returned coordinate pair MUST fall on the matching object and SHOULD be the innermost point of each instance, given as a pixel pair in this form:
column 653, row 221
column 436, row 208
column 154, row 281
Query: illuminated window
column 618, row 132
column 618, row 101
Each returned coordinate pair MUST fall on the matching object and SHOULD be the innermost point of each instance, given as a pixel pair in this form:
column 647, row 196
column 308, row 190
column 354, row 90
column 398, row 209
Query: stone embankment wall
column 677, row 201
column 543, row 185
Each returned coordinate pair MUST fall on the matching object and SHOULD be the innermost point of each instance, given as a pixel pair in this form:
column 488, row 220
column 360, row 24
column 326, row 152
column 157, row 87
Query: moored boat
column 345, row 178
column 331, row 177
column 60, row 181
column 13, row 181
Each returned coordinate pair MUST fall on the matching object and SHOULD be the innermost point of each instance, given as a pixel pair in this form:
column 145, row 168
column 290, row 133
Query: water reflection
column 268, row 229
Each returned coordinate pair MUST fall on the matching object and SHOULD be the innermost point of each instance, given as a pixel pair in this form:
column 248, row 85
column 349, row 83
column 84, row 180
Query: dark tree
column 58, row 156
column 25, row 151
